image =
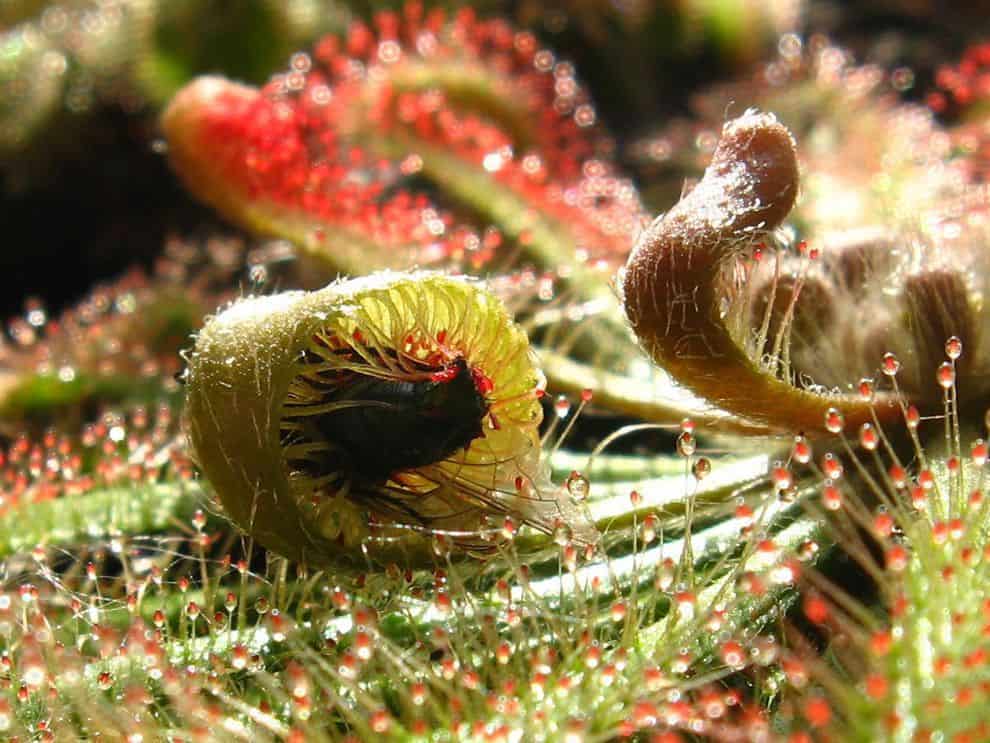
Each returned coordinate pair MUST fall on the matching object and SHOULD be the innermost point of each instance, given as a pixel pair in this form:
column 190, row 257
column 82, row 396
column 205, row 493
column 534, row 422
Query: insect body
column 386, row 425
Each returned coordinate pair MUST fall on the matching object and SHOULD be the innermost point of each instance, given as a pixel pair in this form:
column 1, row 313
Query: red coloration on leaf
column 472, row 105
column 964, row 85
column 961, row 94
column 254, row 157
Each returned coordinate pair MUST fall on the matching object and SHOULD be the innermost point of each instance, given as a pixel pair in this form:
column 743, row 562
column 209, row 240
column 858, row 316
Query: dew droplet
column 890, row 364
column 686, row 444
column 36, row 317
column 883, row 524
column 831, row 496
column 578, row 486
column 834, row 421
column 807, row 550
column 832, row 466
column 898, row 476
column 509, row 527
column 685, row 601
column 781, row 477
column 733, row 655
column 902, row 79
column 868, row 437
column 701, row 468
column 258, row 275
column 569, row 557
column 979, row 452
column 912, row 417
column 801, row 452
column 953, row 347
column 867, row 389
column 946, row 375
column 666, row 571
column 649, row 529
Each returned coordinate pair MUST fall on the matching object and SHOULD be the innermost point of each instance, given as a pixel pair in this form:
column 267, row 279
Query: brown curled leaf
column 673, row 284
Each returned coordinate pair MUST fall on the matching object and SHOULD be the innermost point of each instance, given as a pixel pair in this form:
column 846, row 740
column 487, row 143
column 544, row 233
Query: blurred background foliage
column 82, row 82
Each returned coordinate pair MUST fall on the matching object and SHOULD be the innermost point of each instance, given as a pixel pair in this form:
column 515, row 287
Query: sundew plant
column 494, row 396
